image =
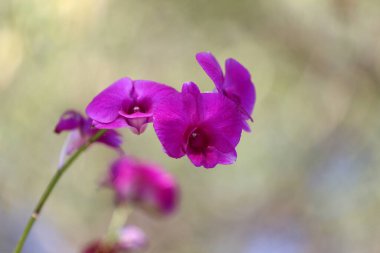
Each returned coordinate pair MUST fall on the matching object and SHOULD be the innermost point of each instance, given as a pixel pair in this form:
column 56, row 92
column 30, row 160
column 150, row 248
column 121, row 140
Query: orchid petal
column 212, row 68
column 212, row 156
column 111, row 138
column 147, row 185
column 105, row 107
column 239, row 87
column 75, row 141
column 222, row 117
column 192, row 101
column 170, row 121
column 69, row 120
column 166, row 192
column 151, row 90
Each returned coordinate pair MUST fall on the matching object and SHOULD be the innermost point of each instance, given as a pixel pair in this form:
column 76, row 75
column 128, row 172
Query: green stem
column 49, row 189
column 118, row 219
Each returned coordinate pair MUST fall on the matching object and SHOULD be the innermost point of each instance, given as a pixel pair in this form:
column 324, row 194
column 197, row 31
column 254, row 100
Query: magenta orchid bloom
column 235, row 84
column 126, row 103
column 143, row 184
column 204, row 126
column 81, row 131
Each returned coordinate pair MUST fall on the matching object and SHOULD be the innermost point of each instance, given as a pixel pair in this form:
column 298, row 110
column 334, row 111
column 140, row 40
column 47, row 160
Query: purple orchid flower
column 81, row 131
column 204, row 126
column 126, row 103
column 236, row 84
column 143, row 184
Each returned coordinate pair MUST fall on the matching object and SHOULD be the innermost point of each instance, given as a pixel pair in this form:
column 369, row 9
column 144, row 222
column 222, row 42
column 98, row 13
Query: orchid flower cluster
column 204, row 126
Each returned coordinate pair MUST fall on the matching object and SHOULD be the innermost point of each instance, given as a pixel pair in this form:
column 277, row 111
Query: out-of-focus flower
column 100, row 247
column 132, row 238
column 204, row 126
column 128, row 239
column 126, row 103
column 81, row 131
column 142, row 184
column 236, row 84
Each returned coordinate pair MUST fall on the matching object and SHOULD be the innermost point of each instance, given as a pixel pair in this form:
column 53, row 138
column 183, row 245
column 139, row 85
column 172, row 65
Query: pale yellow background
column 307, row 178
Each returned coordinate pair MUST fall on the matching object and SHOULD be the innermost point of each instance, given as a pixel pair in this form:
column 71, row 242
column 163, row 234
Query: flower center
column 198, row 141
column 136, row 107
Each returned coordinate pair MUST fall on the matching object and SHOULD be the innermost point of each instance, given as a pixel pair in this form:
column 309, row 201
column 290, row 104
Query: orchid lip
column 137, row 114
column 136, row 109
column 137, row 120
column 138, row 125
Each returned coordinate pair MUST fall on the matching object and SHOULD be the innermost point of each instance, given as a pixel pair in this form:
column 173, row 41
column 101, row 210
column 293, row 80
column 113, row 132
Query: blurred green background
column 306, row 180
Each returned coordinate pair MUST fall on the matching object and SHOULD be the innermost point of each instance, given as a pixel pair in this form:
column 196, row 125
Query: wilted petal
column 110, row 138
column 69, row 120
column 211, row 66
column 75, row 141
column 239, row 87
column 105, row 107
column 81, row 131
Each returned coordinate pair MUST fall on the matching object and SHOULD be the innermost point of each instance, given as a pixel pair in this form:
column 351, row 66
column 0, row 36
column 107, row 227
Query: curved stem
column 118, row 220
column 49, row 189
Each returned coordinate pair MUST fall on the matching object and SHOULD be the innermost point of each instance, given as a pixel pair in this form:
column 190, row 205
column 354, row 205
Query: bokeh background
column 307, row 179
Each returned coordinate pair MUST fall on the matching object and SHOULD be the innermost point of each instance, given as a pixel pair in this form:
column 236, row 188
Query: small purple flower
column 81, row 131
column 204, row 126
column 143, row 184
column 236, row 84
column 126, row 103
column 132, row 238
